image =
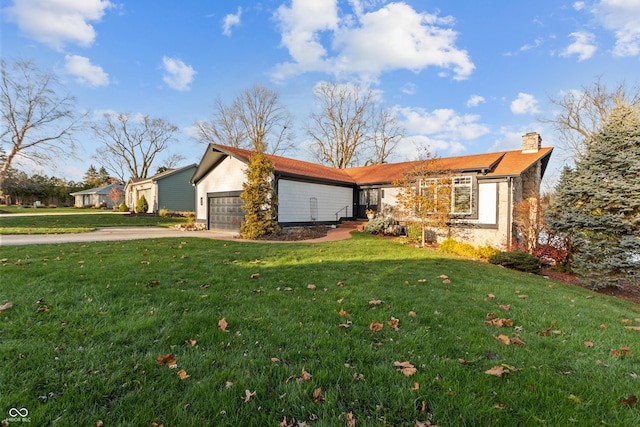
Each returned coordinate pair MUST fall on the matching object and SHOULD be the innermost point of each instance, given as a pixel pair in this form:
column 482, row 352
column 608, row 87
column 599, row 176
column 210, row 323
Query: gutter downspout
column 510, row 213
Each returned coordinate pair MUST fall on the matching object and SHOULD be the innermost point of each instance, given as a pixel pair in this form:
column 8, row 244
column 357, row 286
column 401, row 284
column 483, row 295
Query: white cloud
column 86, row 73
column 622, row 17
column 475, row 100
column 231, row 21
column 583, row 45
column 409, row 89
column 178, row 75
column 525, row 104
column 442, row 129
column 368, row 43
column 579, row 5
column 58, row 22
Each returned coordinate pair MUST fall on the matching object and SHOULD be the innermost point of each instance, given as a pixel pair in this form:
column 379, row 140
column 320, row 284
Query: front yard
column 364, row 329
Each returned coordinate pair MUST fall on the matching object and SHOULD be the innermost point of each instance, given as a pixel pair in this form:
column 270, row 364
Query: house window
column 436, row 194
column 448, row 193
column 461, row 196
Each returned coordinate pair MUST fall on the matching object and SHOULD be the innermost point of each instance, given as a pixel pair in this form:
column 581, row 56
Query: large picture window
column 449, row 194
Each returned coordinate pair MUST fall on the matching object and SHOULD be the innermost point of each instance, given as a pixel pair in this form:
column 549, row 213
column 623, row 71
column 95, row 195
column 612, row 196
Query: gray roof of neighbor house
column 104, row 190
column 160, row 175
column 503, row 163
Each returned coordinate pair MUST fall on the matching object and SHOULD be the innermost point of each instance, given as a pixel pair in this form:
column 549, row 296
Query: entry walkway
column 106, row 234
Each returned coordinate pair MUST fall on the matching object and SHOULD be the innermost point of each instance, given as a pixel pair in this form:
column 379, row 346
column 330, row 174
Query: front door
column 367, row 199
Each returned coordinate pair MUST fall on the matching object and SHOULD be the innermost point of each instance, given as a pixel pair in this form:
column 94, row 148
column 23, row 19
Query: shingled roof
column 504, row 163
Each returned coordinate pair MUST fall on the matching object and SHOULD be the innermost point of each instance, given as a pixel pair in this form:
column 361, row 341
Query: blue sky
column 465, row 77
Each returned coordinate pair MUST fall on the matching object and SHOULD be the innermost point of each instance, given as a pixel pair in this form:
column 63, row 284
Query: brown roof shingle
column 504, row 163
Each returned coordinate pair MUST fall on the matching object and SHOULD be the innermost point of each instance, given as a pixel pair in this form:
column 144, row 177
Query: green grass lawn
column 88, row 321
column 58, row 224
column 45, row 210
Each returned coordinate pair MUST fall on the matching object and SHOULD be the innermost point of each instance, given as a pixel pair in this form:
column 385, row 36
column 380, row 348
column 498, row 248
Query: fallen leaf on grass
column 305, row 376
column 412, row 314
column 343, row 312
column 99, row 423
column 506, row 307
column 629, row 401
column 350, row 419
column 626, row 350
column 491, row 296
column 190, row 343
column 517, row 341
column 406, row 368
column 157, row 425
column 588, row 343
column 575, row 398
column 394, row 323
column 344, row 325
column 255, row 275
column 311, row 286
column 183, row 374
column 416, row 386
column 167, row 359
column 375, row 302
column 248, row 395
column 375, row 326
column 222, row 324
column 503, row 339
column 523, row 296
column 6, row 306
column 317, row 395
column 497, row 371
column 633, row 328
column 499, row 322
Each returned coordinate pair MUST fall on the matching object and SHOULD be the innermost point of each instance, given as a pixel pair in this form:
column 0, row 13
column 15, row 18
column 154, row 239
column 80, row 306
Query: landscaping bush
column 466, row 249
column 517, row 260
column 123, row 207
column 377, row 225
column 142, row 206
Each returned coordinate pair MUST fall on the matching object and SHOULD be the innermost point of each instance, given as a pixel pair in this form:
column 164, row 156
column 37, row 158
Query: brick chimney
column 531, row 142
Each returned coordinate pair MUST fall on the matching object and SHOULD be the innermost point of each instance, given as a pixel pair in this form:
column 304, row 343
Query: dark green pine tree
column 598, row 204
column 260, row 199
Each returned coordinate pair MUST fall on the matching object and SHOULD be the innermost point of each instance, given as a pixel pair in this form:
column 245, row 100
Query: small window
column 461, row 203
column 200, row 201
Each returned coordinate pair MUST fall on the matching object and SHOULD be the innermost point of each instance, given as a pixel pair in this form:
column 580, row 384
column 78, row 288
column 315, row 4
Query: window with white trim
column 461, row 195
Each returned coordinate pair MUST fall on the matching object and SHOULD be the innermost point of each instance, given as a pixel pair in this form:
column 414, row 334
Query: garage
column 225, row 211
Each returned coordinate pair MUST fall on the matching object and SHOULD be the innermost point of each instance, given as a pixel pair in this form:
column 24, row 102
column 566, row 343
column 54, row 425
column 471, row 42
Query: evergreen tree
column 598, row 204
column 260, row 199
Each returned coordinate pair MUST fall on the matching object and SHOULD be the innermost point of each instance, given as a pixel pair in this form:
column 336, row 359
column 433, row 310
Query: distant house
column 100, row 196
column 491, row 184
column 169, row 190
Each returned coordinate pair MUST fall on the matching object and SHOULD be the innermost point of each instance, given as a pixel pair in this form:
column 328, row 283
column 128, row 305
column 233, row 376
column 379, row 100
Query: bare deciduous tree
column 349, row 128
column 129, row 146
column 581, row 113
column 38, row 121
column 387, row 133
column 254, row 120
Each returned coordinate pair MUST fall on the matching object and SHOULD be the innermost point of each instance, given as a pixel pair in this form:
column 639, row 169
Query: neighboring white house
column 99, row 197
column 486, row 186
column 169, row 190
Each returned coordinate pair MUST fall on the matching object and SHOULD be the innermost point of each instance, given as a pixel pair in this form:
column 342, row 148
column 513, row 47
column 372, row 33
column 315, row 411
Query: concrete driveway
column 105, row 234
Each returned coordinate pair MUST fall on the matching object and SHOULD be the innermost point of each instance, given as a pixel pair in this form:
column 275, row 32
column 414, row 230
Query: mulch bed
column 291, row 234
column 628, row 293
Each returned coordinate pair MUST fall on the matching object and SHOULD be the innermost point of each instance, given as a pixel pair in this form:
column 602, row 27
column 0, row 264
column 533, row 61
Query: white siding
column 487, row 203
column 295, row 205
column 227, row 176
